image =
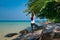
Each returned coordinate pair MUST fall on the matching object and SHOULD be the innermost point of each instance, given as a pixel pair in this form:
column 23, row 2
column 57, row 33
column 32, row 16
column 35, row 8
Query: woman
column 32, row 21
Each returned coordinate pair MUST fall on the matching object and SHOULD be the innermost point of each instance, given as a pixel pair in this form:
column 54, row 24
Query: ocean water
column 12, row 27
column 7, row 27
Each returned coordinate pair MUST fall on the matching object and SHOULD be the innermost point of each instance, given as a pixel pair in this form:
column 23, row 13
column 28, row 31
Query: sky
column 13, row 10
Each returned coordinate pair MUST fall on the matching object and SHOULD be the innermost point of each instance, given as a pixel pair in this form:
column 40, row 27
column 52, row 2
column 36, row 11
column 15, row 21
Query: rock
column 29, row 36
column 57, row 35
column 24, row 32
column 10, row 34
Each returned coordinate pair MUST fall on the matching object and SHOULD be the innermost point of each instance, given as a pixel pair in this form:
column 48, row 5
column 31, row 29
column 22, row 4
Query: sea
column 7, row 27
column 12, row 27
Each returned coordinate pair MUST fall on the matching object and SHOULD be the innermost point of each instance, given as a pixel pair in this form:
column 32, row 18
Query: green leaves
column 51, row 11
column 44, row 8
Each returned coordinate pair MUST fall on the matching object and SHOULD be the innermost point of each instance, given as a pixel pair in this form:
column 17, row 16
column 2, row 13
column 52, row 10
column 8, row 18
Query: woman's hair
column 32, row 15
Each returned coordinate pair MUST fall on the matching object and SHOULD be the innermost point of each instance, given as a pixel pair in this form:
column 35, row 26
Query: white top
column 33, row 21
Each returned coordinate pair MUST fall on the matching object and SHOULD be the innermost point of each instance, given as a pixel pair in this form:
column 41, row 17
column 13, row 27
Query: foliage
column 45, row 8
column 36, row 6
column 51, row 11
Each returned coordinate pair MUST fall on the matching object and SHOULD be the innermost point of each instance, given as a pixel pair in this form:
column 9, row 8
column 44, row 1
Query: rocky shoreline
column 36, row 35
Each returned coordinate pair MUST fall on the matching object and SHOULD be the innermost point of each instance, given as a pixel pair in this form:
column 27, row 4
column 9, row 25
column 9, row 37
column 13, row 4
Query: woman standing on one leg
column 32, row 21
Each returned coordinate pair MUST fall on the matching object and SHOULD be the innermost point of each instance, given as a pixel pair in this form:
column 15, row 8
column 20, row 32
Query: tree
column 51, row 11
column 45, row 8
column 36, row 6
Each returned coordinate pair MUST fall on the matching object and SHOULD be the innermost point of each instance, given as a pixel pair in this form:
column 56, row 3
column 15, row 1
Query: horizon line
column 16, row 20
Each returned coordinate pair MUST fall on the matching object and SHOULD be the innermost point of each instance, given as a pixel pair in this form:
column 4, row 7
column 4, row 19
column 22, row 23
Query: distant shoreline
column 16, row 20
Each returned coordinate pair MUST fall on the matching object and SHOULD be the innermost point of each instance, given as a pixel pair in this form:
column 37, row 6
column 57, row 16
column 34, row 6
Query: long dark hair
column 32, row 15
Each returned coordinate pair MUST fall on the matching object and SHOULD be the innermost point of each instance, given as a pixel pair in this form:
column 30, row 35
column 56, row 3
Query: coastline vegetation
column 49, row 9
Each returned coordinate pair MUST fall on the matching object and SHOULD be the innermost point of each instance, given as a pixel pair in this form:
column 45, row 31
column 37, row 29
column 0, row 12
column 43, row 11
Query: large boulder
column 11, row 34
column 24, row 32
